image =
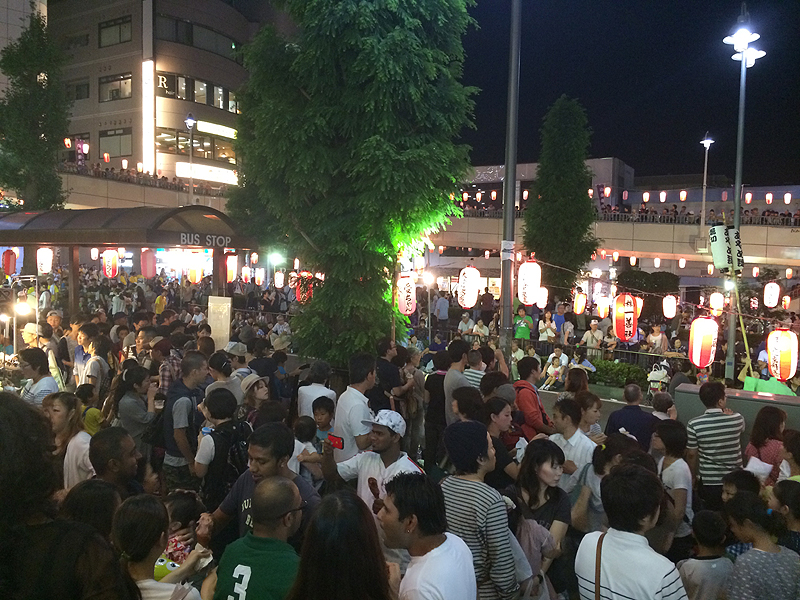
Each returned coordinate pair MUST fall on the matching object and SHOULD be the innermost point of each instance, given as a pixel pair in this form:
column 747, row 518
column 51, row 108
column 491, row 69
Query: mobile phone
column 336, row 441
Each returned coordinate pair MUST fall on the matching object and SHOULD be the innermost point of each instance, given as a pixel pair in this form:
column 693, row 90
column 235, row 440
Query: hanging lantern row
column 246, row 274
column 579, row 304
column 785, row 302
column 782, row 354
column 406, row 295
column 195, row 275
column 94, row 253
column 603, row 304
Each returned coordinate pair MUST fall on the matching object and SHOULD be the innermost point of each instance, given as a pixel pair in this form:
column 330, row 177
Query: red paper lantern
column 716, row 303
column 703, row 341
column 305, row 287
column 785, row 302
column 782, row 354
column 603, row 304
column 110, row 263
column 670, row 306
column 772, row 294
column 603, row 254
column 406, row 295
column 529, row 280
column 469, row 287
column 148, row 264
column 246, row 274
column 579, row 304
column 232, row 265
column 9, row 262
column 625, row 319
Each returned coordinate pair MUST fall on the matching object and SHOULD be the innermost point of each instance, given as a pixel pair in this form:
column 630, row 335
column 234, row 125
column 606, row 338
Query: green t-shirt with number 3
column 256, row 568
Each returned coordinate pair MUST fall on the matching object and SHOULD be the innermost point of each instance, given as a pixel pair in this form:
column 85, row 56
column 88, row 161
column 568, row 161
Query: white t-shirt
column 306, row 396
column 466, row 327
column 352, row 409
column 198, row 318
column 444, row 573
column 35, row 392
column 98, row 368
column 578, row 449
column 205, row 450
column 77, row 466
column 563, row 358
column 678, row 476
column 155, row 590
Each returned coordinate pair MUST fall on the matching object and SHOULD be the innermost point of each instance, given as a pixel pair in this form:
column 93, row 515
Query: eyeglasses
column 303, row 506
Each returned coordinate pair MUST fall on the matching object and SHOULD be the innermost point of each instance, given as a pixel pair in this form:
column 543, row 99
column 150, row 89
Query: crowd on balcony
column 683, row 215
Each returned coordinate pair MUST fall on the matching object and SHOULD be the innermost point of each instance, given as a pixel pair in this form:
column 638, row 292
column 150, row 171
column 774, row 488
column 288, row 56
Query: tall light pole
column 740, row 40
column 707, row 141
column 190, row 123
column 510, row 181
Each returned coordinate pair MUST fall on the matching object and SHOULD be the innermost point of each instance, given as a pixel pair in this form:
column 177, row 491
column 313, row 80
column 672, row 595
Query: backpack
column 230, row 461
column 154, row 431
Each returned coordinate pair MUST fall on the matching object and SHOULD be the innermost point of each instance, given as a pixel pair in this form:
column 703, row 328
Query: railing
column 136, row 178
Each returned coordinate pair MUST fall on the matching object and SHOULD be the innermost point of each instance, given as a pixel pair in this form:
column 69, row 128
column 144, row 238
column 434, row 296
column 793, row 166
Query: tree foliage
column 655, row 286
column 347, row 135
column 34, row 116
column 559, row 217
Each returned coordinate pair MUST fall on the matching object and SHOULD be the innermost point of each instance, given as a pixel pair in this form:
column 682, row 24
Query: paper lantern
column 662, row 197
column 756, row 271
column 639, row 306
column 787, row 198
column 9, row 262
column 716, row 302
column 669, row 305
column 646, row 197
column 44, row 260
column 682, row 263
column 633, row 261
column 541, row 298
column 703, row 341
column 613, row 289
column 469, row 287
column 785, row 302
column 254, row 257
column 603, row 305
column 782, row 354
column 579, row 305
column 772, row 294
column 754, row 303
column 110, row 263
column 789, row 273
column 479, row 196
column 606, row 191
column 615, row 256
column 121, row 252
column 305, row 287
column 656, row 262
column 486, row 254
column 406, row 295
column 529, row 280
column 321, row 276
column 195, row 275
column 603, row 254
column 259, row 276
column 494, row 195
column 94, row 253
column 297, row 264
column 279, row 279
column 124, row 164
column 232, row 265
column 710, row 269
column 148, row 264
column 246, row 274
column 624, row 317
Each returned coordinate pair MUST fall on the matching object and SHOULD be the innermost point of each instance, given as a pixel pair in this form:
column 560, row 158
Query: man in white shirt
column 558, row 352
column 198, row 317
column 629, row 568
column 578, row 449
column 318, row 375
column 466, row 325
column 353, row 409
column 413, row 518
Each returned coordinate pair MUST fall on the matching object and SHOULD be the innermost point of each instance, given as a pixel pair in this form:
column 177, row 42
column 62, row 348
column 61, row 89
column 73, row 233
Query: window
column 171, row 29
column 223, row 150
column 78, row 90
column 182, row 93
column 202, row 147
column 165, row 141
column 115, row 87
column 200, row 94
column 183, row 143
column 219, row 97
column 117, row 142
column 232, row 106
column 115, row 32
column 79, row 40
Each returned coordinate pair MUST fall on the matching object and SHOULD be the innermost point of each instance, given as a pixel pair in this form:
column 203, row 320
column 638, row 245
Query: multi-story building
column 14, row 16
column 138, row 68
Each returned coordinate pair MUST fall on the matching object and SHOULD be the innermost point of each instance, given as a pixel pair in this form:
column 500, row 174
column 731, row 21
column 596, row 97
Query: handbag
column 597, row 566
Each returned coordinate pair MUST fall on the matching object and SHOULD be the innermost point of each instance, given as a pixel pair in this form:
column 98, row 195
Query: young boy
column 578, row 449
column 733, row 482
column 324, row 409
column 705, row 575
column 305, row 432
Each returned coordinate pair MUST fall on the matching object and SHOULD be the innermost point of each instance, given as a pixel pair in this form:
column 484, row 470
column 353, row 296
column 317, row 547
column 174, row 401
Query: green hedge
column 617, row 374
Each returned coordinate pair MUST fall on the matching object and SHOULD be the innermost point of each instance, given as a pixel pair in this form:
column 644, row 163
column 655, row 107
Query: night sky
column 653, row 77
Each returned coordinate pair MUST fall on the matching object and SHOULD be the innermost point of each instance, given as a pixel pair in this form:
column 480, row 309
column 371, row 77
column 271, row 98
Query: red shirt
column 772, row 453
column 531, row 406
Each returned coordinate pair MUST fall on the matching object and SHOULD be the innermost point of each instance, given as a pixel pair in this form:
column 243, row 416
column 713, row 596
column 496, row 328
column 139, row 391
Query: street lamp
column 740, row 40
column 190, row 123
column 707, row 141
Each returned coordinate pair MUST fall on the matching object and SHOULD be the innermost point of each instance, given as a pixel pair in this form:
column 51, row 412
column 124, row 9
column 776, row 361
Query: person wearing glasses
column 262, row 563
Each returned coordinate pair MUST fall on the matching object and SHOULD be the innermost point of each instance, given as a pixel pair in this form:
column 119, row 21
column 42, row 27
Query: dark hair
column 749, row 506
column 474, row 358
column 92, row 502
column 791, row 443
column 402, row 357
column 630, row 494
column 581, row 352
column 492, row 406
column 673, row 435
column 342, row 528
column 323, row 403
column 192, row 361
column 320, row 372
column 469, row 401
column 457, row 349
column 280, row 357
column 204, row 327
column 184, row 507
column 138, row 524
column 616, row 444
column 219, row 361
column 45, row 330
column 361, row 365
column 767, row 425
column 205, row 346
column 709, row 528
column 260, row 346
column 383, row 346
column 639, row 457
column 528, row 365
column 89, row 329
column 711, row 393
column 491, row 381
column 568, row 407
column 85, row 392
column 221, row 403
column 558, row 346
column 305, row 429
column 787, row 492
column 537, row 453
column 36, row 358
column 129, row 378
column 587, row 399
column 487, row 354
column 631, row 393
column 416, row 494
column 277, row 438
column 270, row 411
column 466, row 443
column 442, row 361
column 106, row 445
column 138, row 317
column 743, row 481
column 662, row 402
column 576, row 381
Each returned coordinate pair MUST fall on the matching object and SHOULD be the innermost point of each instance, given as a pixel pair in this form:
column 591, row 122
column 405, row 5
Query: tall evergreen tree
column 34, row 116
column 347, row 134
column 560, row 214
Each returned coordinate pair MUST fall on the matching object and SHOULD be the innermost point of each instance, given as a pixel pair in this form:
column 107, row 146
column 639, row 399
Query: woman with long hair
column 93, row 502
column 590, row 414
column 766, row 439
column 72, row 442
column 134, row 401
column 341, row 558
column 256, row 392
column 547, row 328
column 221, row 369
column 575, row 381
column 496, row 415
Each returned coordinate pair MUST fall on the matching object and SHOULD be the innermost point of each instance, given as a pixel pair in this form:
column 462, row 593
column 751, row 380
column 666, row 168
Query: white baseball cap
column 389, row 419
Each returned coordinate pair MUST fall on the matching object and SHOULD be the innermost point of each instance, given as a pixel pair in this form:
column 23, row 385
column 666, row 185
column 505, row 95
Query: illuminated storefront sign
column 206, row 173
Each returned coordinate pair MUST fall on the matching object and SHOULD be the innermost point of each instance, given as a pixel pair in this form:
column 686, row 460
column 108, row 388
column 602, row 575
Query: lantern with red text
column 94, row 253
column 782, row 354
column 406, row 295
column 469, row 286
column 703, row 341
column 541, row 298
column 44, row 260
column 639, row 306
column 529, row 280
column 670, row 306
column 232, row 266
column 579, row 305
column 148, row 264
column 772, row 294
column 716, row 303
column 624, row 317
column 110, row 263
column 9, row 262
column 785, row 302
column 603, row 304
column 246, row 272
column 305, row 287
column 279, row 279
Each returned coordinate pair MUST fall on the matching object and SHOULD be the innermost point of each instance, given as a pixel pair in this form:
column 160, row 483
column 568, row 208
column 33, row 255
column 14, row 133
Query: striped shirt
column 477, row 514
column 474, row 376
column 717, row 437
